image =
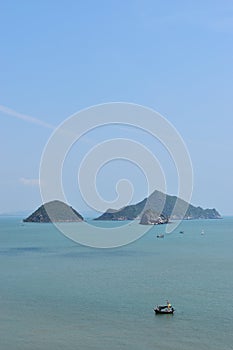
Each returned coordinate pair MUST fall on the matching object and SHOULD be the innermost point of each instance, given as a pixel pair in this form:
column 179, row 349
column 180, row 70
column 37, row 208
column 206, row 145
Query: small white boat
column 202, row 232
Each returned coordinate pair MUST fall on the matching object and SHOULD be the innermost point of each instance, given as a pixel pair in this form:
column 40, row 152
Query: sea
column 58, row 294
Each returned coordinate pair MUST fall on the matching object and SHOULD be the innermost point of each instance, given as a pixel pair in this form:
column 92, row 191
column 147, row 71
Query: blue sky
column 58, row 57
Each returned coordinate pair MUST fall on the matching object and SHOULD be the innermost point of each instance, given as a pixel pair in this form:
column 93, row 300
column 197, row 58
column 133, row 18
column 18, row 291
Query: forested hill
column 161, row 204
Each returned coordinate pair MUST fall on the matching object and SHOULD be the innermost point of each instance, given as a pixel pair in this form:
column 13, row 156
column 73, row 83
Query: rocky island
column 54, row 211
column 151, row 217
column 158, row 208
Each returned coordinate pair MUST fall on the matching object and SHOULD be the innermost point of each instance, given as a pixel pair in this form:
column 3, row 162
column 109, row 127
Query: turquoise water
column 56, row 294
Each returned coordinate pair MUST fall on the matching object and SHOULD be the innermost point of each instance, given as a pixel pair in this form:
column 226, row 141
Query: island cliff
column 151, row 217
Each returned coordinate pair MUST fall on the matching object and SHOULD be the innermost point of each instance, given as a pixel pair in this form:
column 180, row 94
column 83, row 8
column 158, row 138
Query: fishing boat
column 164, row 309
column 160, row 236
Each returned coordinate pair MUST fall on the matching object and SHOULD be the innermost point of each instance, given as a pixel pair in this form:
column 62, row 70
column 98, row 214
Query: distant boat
column 160, row 236
column 202, row 232
column 181, row 231
column 164, row 309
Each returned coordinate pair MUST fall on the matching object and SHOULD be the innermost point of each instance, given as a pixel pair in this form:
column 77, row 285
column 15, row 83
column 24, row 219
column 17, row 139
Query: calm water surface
column 56, row 294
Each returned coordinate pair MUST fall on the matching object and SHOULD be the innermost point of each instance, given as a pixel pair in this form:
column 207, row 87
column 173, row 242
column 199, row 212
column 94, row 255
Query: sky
column 60, row 57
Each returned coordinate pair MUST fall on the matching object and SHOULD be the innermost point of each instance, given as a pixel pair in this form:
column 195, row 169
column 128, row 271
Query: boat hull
column 164, row 312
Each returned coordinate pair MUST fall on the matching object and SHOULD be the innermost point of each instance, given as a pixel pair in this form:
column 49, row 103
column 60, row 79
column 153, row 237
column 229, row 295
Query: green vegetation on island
column 159, row 208
column 54, row 211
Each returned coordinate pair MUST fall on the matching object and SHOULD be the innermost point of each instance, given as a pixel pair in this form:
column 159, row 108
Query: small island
column 54, row 211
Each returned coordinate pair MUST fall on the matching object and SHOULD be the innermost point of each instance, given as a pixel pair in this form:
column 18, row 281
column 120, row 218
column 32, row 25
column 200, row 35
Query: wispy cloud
column 10, row 112
column 29, row 182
